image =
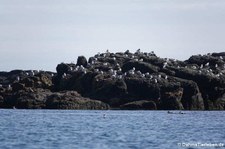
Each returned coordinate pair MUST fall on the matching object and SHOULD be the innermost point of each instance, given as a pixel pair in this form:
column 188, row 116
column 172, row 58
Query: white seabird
column 207, row 64
column 18, row 78
column 166, row 77
column 201, row 66
column 159, row 76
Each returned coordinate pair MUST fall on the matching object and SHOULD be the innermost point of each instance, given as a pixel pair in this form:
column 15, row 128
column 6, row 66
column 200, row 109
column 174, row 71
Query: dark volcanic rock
column 142, row 66
column 120, row 80
column 62, row 68
column 31, row 99
column 139, row 105
column 17, row 86
column 171, row 96
column 72, row 100
column 81, row 60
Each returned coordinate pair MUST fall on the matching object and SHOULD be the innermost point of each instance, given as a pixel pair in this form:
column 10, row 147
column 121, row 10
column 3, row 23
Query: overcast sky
column 39, row 34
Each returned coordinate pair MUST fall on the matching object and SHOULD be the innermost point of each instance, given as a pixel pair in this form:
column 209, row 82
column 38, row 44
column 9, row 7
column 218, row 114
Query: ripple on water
column 117, row 129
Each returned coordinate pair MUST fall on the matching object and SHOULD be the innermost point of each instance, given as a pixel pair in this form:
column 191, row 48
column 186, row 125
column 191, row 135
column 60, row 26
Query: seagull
column 164, row 65
column 18, row 78
column 193, row 67
column 201, row 66
column 32, row 73
column 139, row 72
column 131, row 72
column 151, row 77
column 120, row 76
column 92, row 62
column 114, row 76
column 216, row 65
column 111, row 71
column 159, row 76
column 166, row 77
column 64, row 75
column 207, row 64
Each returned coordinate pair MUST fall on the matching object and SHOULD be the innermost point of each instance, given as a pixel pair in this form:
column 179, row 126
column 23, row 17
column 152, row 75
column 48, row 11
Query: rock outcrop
column 126, row 80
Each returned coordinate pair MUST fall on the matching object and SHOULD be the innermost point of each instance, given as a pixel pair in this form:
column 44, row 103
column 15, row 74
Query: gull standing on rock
column 166, row 77
column 201, row 66
column 155, row 80
column 18, row 78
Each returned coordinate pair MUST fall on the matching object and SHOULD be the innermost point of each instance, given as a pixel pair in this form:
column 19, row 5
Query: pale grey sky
column 39, row 34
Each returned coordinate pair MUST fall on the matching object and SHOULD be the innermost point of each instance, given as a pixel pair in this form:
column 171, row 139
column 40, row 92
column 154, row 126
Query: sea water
column 111, row 129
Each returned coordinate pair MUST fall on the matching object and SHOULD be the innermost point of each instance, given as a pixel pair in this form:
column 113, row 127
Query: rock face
column 126, row 80
column 139, row 105
column 73, row 100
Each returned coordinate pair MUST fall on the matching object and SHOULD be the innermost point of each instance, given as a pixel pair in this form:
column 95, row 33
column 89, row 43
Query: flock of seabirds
column 117, row 72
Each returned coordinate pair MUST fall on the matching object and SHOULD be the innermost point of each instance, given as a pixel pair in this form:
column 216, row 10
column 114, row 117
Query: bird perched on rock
column 201, row 66
column 207, row 64
column 216, row 65
column 18, row 78
column 166, row 77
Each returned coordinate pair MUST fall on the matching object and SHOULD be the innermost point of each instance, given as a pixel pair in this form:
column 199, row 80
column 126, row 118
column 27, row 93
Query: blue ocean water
column 110, row 129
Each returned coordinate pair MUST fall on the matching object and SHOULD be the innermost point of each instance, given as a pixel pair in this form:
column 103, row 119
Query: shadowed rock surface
column 126, row 80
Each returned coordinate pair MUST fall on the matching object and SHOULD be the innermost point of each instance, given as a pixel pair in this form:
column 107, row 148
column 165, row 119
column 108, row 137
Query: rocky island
column 123, row 80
